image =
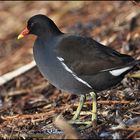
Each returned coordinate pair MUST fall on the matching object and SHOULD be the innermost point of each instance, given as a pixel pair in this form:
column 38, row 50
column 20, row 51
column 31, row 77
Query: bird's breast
column 56, row 73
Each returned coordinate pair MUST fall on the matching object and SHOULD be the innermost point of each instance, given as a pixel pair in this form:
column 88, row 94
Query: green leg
column 79, row 108
column 94, row 107
column 94, row 111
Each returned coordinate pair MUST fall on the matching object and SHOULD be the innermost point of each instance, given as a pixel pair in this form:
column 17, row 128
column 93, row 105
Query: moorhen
column 75, row 63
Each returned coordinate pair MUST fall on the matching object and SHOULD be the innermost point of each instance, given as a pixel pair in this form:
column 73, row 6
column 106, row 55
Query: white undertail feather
column 118, row 72
column 69, row 70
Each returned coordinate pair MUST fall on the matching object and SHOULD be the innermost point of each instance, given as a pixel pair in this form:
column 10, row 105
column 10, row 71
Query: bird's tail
column 135, row 62
column 116, row 71
column 130, row 64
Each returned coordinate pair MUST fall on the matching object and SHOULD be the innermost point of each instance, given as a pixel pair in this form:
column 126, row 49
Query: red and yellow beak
column 24, row 33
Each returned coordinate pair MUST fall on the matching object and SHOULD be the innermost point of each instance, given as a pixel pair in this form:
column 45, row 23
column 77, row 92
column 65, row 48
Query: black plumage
column 92, row 61
column 75, row 63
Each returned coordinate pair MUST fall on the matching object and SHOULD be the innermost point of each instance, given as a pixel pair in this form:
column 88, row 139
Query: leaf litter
column 29, row 105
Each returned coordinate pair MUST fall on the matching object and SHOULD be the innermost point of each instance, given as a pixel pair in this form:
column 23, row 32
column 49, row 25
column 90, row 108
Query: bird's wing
column 85, row 56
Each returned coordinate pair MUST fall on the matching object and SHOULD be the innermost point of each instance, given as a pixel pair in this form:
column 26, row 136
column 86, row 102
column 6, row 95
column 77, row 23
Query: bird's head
column 39, row 25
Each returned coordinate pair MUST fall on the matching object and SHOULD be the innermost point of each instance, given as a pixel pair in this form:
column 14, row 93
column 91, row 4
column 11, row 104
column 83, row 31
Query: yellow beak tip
column 20, row 36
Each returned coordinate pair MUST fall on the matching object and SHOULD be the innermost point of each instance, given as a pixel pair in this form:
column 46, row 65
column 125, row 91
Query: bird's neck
column 48, row 36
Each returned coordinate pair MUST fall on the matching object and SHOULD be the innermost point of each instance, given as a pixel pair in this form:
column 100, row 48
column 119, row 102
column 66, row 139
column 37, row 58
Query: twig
column 106, row 102
column 9, row 76
column 134, row 112
column 113, row 102
column 28, row 116
column 135, row 75
column 17, row 92
column 25, row 135
column 131, row 134
column 83, row 113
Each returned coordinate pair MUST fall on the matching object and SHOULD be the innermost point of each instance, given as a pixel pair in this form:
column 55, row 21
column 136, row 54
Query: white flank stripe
column 69, row 70
column 118, row 72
